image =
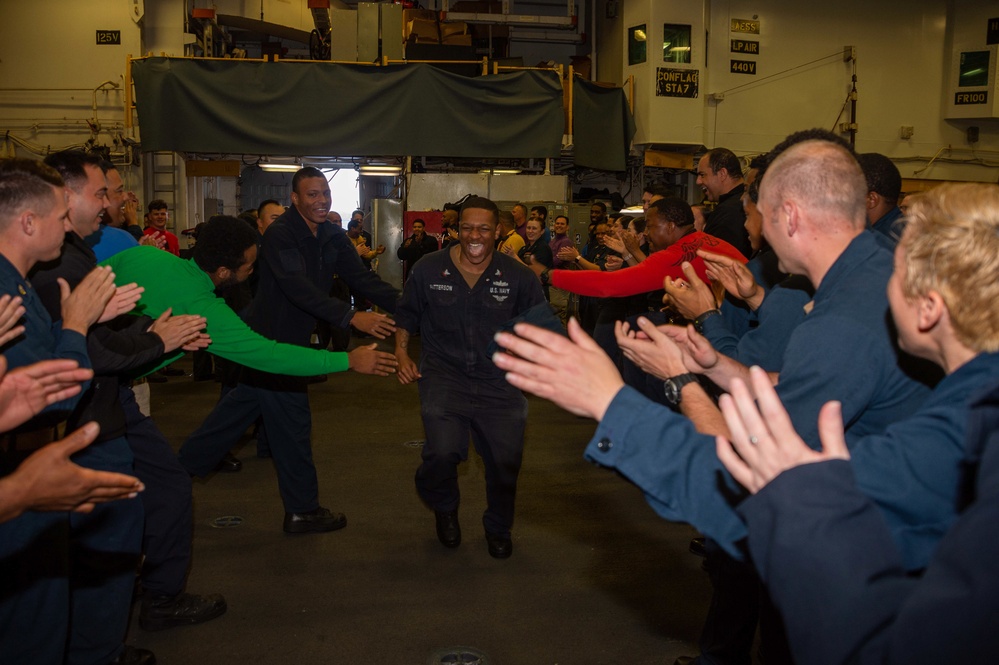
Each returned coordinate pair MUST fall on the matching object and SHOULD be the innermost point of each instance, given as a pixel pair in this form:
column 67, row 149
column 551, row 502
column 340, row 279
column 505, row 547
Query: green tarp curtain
column 289, row 108
column 603, row 126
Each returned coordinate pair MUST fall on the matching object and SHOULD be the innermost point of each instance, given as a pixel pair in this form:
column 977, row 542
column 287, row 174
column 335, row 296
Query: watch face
column 672, row 393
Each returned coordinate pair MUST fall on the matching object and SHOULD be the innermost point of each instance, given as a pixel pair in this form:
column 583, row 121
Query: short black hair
column 558, row 217
column 542, row 210
column 420, row 221
column 265, row 203
column 222, row 243
column 304, row 173
column 248, row 217
column 599, row 204
column 764, row 161
column 157, row 204
column 71, row 165
column 674, row 209
column 480, row 203
column 815, row 134
column 504, row 219
column 723, row 158
column 354, row 223
column 882, row 175
column 26, row 182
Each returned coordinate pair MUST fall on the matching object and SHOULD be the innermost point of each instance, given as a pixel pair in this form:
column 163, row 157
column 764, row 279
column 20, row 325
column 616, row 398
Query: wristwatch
column 701, row 318
column 673, row 386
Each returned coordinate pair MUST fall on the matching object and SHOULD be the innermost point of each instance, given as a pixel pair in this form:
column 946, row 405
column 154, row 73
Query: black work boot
column 184, row 609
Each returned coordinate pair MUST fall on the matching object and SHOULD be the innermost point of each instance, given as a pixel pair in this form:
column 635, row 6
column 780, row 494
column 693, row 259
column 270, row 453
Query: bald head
column 825, row 182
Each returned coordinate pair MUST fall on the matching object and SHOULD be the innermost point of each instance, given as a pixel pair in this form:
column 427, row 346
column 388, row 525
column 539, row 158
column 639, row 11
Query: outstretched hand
column 84, row 305
column 763, row 441
column 373, row 323
column 49, row 480
column 632, row 244
column 615, row 243
column 651, row 349
column 699, row 355
column 408, row 370
column 573, row 373
column 612, row 263
column 122, row 301
column 734, row 276
column 691, row 296
column 155, row 239
column 25, row 391
column 178, row 331
column 369, row 360
column 568, row 254
column 11, row 311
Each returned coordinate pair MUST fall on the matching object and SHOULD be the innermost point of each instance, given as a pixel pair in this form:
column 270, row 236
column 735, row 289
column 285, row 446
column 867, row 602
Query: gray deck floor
column 595, row 578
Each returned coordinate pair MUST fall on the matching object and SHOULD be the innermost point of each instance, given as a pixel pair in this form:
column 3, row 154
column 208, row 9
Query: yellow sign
column 205, row 168
column 676, row 82
column 742, row 67
column 962, row 98
column 746, row 25
column 744, row 46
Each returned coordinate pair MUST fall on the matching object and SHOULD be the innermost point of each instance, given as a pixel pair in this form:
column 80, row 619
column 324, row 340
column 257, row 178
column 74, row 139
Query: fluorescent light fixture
column 380, row 169
column 633, row 211
column 500, row 171
column 282, row 168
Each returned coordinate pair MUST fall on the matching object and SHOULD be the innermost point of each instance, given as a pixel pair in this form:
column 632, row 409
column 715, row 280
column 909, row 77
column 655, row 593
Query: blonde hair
column 951, row 245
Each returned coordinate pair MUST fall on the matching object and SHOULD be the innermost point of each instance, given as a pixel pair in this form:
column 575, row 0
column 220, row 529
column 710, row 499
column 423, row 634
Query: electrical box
column 379, row 31
column 971, row 90
column 579, row 223
column 368, row 27
column 973, row 37
column 213, row 207
column 391, row 30
column 343, row 39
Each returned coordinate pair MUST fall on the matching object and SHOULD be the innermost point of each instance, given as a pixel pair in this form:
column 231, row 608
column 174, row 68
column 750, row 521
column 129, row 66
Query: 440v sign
column 676, row 82
column 743, row 67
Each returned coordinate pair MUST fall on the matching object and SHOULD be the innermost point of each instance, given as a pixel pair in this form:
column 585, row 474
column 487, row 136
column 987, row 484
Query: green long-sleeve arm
column 172, row 282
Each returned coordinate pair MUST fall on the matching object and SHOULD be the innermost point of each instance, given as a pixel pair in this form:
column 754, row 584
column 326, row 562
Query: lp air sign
column 744, row 47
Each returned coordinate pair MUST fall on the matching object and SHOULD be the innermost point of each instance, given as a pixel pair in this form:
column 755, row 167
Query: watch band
column 673, row 387
column 701, row 318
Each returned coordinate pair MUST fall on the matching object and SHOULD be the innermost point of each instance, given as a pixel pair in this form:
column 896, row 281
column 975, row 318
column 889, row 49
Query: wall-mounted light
column 499, row 171
column 380, row 170
column 279, row 168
